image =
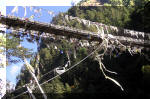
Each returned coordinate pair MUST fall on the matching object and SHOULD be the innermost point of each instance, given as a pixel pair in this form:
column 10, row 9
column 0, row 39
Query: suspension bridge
column 125, row 36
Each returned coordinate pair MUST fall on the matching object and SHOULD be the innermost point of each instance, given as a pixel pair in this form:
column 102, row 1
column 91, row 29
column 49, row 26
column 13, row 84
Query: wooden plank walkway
column 16, row 22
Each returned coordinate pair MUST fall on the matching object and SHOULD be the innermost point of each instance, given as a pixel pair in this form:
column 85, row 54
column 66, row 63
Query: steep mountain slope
column 86, row 80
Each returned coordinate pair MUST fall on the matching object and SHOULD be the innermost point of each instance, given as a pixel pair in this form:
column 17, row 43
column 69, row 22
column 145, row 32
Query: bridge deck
column 16, row 22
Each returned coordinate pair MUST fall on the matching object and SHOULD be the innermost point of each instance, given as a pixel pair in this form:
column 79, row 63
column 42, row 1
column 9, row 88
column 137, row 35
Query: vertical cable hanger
column 32, row 72
column 30, row 92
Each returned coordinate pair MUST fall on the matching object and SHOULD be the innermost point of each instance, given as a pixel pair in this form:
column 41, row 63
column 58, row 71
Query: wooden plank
column 49, row 28
column 16, row 22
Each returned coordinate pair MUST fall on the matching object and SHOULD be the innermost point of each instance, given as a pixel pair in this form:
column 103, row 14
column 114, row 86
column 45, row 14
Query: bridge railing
column 15, row 22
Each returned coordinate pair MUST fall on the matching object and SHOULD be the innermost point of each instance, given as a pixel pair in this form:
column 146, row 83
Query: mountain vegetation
column 86, row 80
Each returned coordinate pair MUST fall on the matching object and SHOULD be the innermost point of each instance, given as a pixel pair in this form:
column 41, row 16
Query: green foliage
column 68, row 88
column 146, row 76
column 139, row 18
column 86, row 77
column 74, row 23
column 14, row 53
column 116, row 2
column 117, row 16
column 24, row 77
column 45, row 54
column 146, row 69
column 2, row 41
column 90, row 15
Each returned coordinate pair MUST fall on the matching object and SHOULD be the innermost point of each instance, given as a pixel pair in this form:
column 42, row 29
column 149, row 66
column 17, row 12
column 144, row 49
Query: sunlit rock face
column 91, row 3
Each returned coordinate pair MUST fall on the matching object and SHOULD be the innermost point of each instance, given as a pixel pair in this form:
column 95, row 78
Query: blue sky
column 13, row 70
column 55, row 5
